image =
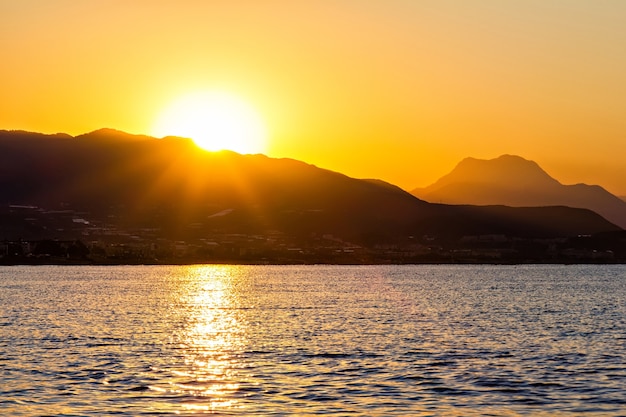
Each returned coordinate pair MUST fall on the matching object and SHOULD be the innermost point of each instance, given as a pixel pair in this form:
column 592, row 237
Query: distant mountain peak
column 503, row 157
column 504, row 170
column 506, row 161
column 514, row 181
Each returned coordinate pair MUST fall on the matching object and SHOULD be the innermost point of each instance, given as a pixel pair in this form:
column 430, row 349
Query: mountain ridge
column 525, row 171
column 171, row 189
column 518, row 182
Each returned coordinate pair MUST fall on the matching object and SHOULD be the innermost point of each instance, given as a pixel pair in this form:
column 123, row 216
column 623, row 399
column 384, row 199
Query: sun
column 216, row 121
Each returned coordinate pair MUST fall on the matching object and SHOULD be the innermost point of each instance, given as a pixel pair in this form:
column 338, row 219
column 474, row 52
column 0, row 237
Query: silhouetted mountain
column 112, row 135
column 517, row 182
column 176, row 190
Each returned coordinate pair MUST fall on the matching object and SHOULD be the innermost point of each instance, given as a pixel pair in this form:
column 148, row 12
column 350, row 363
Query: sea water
column 311, row 340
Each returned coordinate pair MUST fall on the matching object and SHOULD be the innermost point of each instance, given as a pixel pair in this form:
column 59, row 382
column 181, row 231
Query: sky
column 399, row 90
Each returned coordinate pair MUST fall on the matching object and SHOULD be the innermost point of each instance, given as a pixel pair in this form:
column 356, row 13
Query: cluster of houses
column 72, row 237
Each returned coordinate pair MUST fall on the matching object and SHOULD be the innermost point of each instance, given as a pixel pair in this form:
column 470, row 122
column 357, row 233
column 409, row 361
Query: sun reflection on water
column 211, row 340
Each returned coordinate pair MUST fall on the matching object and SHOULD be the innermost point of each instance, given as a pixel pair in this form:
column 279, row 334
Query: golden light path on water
column 211, row 339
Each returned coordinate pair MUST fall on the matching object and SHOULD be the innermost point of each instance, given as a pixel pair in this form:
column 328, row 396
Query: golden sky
column 400, row 90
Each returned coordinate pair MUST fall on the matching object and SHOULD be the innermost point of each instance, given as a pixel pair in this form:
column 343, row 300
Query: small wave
column 139, row 388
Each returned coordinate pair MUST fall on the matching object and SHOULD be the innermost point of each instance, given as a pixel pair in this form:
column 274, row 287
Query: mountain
column 517, row 182
column 170, row 189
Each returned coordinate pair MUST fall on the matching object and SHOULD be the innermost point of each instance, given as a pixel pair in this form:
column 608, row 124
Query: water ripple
column 311, row 340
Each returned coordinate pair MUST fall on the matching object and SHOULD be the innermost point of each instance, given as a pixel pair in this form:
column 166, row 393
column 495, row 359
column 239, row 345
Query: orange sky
column 399, row 90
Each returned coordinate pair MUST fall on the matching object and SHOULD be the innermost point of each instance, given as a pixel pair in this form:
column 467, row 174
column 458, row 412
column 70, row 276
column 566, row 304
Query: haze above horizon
column 396, row 90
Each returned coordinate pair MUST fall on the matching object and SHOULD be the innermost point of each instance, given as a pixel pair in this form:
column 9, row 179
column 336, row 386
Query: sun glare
column 215, row 121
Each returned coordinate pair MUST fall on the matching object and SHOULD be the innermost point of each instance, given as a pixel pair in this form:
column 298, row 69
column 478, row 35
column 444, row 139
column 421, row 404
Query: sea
column 305, row 340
